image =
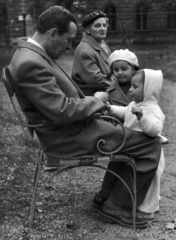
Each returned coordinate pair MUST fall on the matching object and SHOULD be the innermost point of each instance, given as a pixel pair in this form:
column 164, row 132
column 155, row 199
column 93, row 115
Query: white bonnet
column 125, row 55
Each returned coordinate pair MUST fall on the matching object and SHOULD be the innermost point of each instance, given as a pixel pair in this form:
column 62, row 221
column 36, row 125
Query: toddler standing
column 144, row 114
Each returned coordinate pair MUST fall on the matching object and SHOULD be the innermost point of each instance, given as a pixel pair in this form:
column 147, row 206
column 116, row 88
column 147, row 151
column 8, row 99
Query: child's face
column 122, row 70
column 137, row 88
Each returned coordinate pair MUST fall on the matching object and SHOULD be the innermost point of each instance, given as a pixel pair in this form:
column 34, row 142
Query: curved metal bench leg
column 134, row 189
column 97, row 166
column 34, row 197
column 41, row 189
column 132, row 194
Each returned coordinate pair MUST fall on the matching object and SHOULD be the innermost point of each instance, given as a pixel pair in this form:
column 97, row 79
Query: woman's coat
column 90, row 63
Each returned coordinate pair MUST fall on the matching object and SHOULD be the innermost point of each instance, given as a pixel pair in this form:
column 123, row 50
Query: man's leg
column 145, row 150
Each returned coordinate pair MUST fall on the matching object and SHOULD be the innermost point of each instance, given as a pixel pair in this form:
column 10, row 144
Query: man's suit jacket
column 47, row 95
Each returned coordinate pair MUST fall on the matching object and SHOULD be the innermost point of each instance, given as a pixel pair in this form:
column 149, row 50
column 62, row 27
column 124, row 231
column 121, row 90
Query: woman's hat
column 91, row 17
column 124, row 55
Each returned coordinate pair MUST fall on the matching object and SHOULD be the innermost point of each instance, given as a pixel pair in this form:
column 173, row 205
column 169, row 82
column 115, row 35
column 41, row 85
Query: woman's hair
column 91, row 17
column 55, row 17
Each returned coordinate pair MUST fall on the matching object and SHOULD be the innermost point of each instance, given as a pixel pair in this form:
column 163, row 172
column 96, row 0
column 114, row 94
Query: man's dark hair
column 55, row 17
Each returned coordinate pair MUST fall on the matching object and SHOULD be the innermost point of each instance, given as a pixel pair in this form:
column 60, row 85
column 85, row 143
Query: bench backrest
column 7, row 79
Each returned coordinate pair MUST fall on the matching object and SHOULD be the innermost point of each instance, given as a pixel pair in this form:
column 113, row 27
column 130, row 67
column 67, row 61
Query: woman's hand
column 138, row 112
column 103, row 96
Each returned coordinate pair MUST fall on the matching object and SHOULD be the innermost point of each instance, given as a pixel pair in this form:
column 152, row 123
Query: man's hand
column 103, row 96
column 138, row 112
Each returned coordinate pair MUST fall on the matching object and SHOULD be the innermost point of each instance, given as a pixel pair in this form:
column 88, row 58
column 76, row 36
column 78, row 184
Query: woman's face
column 98, row 29
column 122, row 70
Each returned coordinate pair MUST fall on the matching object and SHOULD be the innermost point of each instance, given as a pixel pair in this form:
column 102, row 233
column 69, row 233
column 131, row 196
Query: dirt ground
column 64, row 211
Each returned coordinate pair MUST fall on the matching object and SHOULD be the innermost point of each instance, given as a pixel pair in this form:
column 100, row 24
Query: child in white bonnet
column 144, row 114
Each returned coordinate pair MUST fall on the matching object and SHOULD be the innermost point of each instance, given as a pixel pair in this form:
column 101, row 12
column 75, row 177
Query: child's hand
column 108, row 106
column 138, row 112
column 112, row 79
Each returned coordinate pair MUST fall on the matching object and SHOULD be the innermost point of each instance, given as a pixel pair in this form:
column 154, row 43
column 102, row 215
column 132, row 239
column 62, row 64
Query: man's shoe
column 122, row 217
column 144, row 215
column 98, row 202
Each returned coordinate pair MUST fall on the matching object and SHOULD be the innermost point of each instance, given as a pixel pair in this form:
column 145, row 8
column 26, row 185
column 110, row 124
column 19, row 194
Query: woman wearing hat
column 90, row 62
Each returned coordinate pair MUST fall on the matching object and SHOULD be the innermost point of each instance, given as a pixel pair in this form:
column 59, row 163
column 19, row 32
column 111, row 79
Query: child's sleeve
column 151, row 126
column 117, row 111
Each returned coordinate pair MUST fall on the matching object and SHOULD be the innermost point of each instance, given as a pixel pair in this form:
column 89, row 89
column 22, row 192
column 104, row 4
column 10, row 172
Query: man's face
column 58, row 44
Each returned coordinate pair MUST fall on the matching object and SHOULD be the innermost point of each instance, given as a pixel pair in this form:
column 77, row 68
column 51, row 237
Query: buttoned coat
column 117, row 96
column 90, row 62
